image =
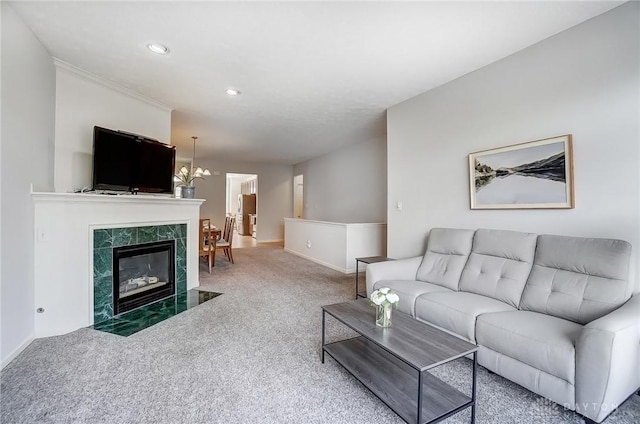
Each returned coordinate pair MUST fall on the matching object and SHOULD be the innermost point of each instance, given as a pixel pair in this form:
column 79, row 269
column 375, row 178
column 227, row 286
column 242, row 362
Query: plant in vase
column 185, row 178
column 384, row 300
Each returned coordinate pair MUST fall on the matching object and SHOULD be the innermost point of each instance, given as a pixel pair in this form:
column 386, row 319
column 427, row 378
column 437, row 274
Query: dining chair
column 225, row 243
column 207, row 243
column 233, row 226
column 228, row 228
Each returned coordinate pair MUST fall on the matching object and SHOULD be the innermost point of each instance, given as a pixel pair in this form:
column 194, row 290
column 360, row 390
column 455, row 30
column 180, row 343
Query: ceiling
column 314, row 76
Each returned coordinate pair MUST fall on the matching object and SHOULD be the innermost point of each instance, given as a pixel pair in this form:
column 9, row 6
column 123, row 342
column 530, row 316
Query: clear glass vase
column 383, row 315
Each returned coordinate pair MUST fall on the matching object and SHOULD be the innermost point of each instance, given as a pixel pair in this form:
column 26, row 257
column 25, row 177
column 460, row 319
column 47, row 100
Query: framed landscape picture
column 534, row 175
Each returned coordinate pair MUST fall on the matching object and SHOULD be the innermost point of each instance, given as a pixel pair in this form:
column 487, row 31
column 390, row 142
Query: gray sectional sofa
column 557, row 315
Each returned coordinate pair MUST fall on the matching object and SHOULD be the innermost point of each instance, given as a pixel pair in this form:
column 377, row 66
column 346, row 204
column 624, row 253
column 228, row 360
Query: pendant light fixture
column 186, row 176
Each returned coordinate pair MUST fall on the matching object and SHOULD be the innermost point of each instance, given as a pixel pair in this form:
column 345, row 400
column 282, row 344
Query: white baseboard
column 272, row 241
column 16, row 352
column 328, row 265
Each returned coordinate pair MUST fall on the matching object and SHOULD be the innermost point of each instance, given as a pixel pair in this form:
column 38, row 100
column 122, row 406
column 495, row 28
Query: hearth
column 142, row 274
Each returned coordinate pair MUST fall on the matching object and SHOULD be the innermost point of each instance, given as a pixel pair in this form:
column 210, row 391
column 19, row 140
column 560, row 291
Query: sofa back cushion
column 499, row 264
column 579, row 279
column 446, row 255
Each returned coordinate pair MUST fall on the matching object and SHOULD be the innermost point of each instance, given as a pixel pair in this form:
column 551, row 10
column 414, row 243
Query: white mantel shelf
column 119, row 198
column 63, row 248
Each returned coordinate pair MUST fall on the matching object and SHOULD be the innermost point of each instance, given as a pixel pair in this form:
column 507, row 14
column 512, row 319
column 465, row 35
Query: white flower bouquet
column 186, row 176
column 384, row 296
column 384, row 299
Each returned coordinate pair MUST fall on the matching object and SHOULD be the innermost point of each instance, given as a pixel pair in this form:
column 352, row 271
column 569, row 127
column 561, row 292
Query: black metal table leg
column 324, row 314
column 357, row 278
column 419, row 421
column 473, row 388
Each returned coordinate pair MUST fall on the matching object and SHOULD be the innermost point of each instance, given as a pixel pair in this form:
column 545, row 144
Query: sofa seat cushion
column 542, row 341
column 456, row 312
column 408, row 291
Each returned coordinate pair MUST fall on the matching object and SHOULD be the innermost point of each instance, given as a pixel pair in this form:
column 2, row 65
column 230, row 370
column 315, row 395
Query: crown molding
column 61, row 64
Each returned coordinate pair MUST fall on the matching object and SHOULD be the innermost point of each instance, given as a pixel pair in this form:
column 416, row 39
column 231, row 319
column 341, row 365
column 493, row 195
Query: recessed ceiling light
column 232, row 91
column 158, row 48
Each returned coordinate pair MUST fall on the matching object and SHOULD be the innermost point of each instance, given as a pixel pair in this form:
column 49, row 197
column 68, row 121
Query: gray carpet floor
column 250, row 355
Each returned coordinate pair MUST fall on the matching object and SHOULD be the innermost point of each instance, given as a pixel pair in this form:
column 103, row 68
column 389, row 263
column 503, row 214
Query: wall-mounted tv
column 128, row 162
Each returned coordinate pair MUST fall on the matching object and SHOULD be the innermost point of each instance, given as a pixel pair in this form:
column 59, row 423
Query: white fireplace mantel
column 63, row 228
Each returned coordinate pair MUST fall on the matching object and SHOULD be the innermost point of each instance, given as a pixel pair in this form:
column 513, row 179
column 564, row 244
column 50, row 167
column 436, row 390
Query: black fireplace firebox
column 142, row 274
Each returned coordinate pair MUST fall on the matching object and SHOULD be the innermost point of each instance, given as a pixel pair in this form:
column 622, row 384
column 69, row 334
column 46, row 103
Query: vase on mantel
column 188, row 192
column 383, row 315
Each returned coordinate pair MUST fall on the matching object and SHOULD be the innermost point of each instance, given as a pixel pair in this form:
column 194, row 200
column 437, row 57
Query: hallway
column 243, row 241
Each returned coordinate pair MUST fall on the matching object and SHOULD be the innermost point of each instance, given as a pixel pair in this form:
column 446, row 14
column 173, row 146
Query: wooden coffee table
column 393, row 362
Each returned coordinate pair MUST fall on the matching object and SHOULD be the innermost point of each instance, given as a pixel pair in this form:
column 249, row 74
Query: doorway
column 298, row 196
column 241, row 203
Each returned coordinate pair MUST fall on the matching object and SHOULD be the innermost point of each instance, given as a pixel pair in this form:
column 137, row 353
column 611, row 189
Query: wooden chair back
column 228, row 227
column 232, row 222
column 206, row 242
column 205, row 224
column 226, row 244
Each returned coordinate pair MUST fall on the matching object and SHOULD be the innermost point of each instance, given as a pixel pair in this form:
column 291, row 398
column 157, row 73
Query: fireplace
column 142, row 274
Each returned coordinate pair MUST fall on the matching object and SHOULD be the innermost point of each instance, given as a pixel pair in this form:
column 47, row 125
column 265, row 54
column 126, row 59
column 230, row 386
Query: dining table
column 213, row 231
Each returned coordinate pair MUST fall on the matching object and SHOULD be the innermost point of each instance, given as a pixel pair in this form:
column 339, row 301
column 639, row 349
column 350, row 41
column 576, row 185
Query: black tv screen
column 128, row 162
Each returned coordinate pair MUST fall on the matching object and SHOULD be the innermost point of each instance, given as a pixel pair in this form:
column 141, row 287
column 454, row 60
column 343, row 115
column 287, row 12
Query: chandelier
column 186, row 175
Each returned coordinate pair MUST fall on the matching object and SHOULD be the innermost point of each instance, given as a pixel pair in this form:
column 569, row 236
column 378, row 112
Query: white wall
column 332, row 244
column 274, row 199
column 233, row 189
column 584, row 81
column 347, row 185
column 82, row 101
column 28, row 102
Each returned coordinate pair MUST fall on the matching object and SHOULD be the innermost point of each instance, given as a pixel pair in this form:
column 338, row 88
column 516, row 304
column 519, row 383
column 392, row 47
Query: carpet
column 251, row 355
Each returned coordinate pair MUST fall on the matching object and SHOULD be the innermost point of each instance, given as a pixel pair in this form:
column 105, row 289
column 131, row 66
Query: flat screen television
column 128, row 162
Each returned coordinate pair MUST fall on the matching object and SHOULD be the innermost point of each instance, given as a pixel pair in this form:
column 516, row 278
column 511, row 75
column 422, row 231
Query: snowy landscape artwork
column 534, row 175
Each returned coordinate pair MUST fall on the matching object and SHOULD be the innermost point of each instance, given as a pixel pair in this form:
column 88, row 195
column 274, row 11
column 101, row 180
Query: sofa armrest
column 608, row 361
column 402, row 269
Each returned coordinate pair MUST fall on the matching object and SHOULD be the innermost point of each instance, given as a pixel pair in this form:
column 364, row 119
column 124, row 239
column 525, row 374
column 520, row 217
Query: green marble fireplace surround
column 105, row 239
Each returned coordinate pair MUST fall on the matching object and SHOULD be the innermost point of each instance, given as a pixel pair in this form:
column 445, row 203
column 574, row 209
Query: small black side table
column 367, row 260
